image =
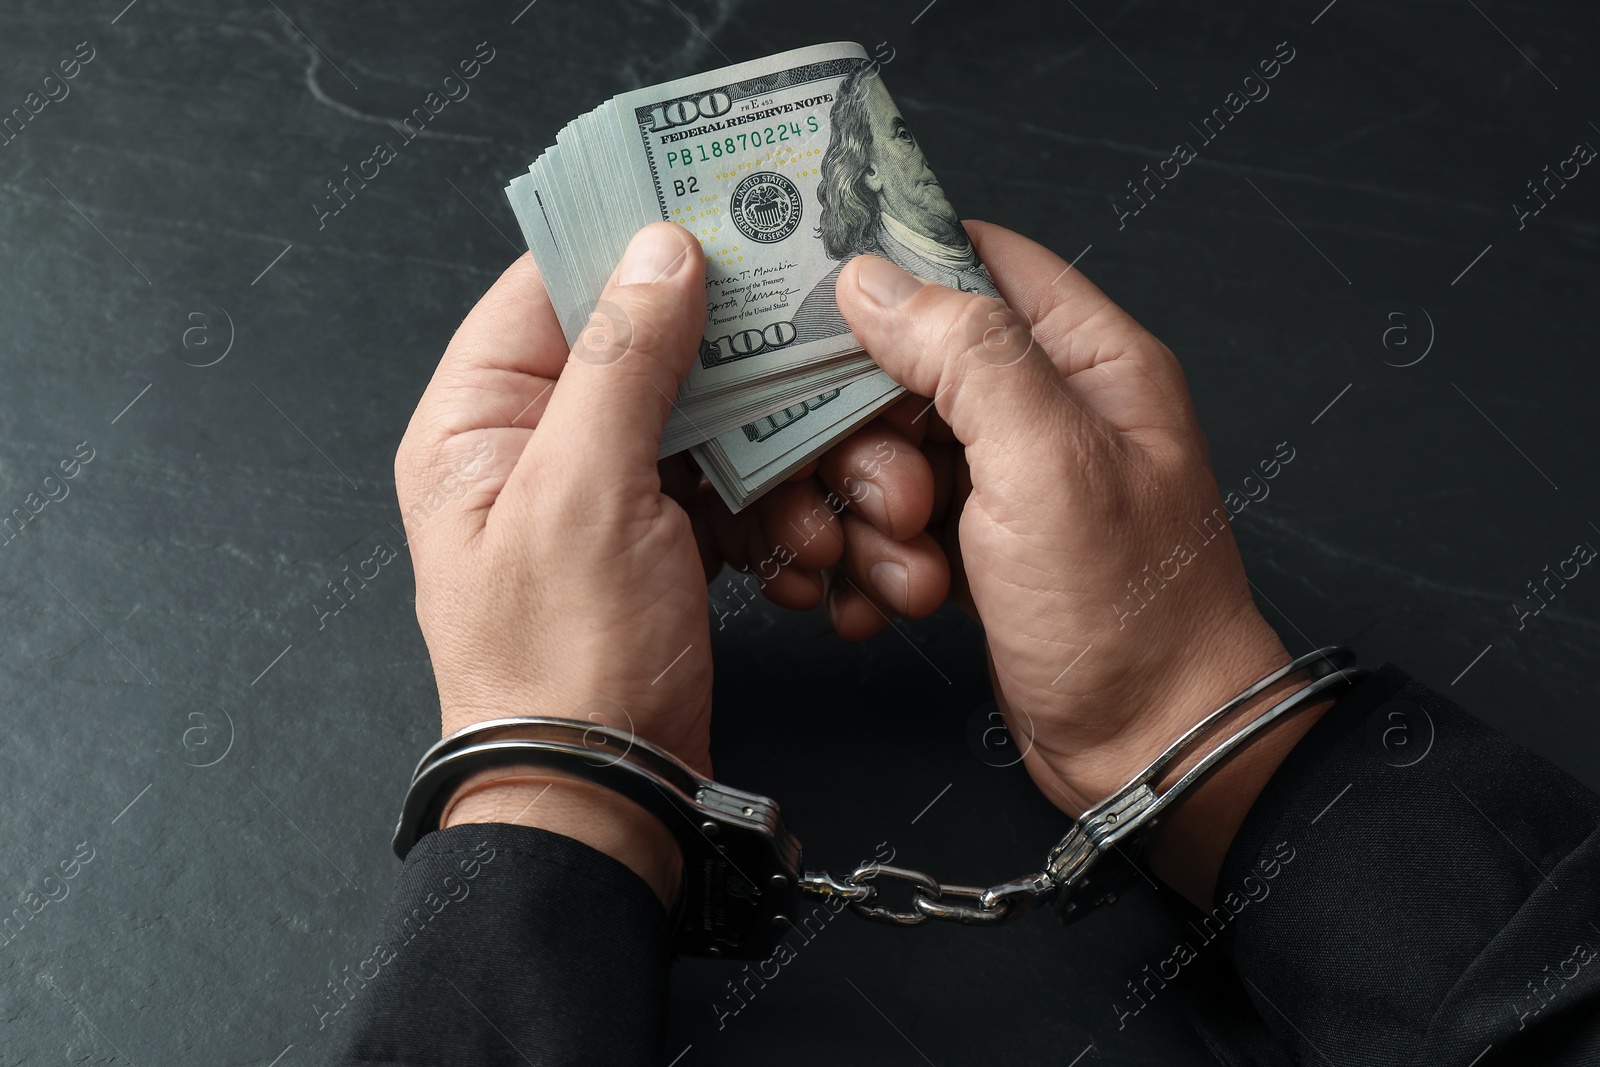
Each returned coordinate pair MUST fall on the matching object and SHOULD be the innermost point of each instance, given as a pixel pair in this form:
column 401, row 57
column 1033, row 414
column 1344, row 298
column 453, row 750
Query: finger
column 855, row 616
column 883, row 477
column 910, row 416
column 791, row 524
column 795, row 588
column 478, row 410
column 1139, row 380
column 774, row 566
column 976, row 357
column 799, row 525
column 501, row 360
column 616, row 388
column 910, row 578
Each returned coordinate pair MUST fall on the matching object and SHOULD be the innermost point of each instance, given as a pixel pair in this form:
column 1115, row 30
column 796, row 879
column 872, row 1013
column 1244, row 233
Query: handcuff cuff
column 744, row 880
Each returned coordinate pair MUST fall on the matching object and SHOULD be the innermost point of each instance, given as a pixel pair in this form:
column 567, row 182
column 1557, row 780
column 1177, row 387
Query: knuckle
column 432, row 470
column 992, row 333
column 636, row 326
column 608, row 336
column 409, row 469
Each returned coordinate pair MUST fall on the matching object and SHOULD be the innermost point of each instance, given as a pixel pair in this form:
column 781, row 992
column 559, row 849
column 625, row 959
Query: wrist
column 1186, row 850
column 1157, row 699
column 604, row 820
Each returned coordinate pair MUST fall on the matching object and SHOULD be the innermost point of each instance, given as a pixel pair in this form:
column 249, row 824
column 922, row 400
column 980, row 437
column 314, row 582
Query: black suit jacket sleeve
column 506, row 946
column 1410, row 888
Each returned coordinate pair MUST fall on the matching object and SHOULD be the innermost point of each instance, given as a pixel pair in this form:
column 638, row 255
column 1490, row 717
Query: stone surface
column 162, row 614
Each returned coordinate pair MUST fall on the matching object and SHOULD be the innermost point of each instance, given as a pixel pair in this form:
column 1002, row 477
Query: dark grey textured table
column 1341, row 267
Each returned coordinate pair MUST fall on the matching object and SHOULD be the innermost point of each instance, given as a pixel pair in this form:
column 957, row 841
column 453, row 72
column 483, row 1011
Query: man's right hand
column 1085, row 527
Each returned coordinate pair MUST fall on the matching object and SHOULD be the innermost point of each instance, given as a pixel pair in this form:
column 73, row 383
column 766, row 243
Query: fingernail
column 654, row 253
column 885, row 282
column 892, row 583
column 869, row 500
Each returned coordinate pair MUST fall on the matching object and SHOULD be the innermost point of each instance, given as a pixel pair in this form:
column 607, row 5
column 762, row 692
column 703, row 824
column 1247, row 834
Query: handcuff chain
column 724, row 833
column 930, row 899
column 1124, row 816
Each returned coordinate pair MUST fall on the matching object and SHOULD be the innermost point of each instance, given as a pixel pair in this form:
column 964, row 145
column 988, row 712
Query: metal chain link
column 1073, row 866
column 930, row 899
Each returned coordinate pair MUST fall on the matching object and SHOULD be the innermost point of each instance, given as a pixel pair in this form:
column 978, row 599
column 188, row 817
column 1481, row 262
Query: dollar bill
column 785, row 168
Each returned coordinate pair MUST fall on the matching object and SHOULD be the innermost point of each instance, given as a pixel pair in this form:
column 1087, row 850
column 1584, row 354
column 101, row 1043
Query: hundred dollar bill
column 785, row 168
column 735, row 156
column 748, row 461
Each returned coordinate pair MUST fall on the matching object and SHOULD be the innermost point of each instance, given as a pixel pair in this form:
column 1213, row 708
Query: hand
column 1084, row 525
column 560, row 579
column 853, row 521
column 561, row 571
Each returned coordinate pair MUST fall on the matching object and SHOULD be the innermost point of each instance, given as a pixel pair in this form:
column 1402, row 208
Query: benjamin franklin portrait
column 878, row 195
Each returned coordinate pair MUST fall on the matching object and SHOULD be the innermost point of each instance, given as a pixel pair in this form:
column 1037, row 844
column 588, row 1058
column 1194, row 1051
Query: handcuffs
column 744, row 880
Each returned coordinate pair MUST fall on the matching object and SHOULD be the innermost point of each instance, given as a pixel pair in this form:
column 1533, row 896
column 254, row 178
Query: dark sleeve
column 1410, row 888
column 505, row 945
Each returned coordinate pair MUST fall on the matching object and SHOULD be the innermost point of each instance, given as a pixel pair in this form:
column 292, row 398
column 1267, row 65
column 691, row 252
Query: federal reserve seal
column 766, row 207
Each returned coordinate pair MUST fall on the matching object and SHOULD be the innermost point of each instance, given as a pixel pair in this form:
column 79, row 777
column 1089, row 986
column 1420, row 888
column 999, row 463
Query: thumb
column 616, row 389
column 990, row 380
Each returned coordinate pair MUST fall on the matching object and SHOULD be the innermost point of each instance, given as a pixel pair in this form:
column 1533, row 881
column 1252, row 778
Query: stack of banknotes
column 784, row 168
